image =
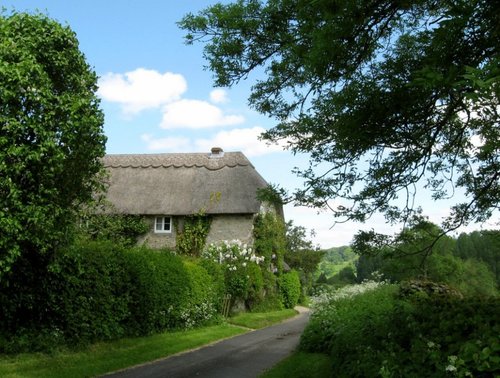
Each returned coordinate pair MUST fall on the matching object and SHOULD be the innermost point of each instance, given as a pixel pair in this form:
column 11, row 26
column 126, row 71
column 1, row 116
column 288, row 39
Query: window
column 163, row 225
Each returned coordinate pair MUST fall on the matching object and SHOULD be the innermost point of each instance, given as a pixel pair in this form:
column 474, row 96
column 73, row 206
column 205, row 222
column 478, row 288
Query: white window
column 163, row 225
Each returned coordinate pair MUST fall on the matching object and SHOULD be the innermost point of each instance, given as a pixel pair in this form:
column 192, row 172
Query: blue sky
column 157, row 97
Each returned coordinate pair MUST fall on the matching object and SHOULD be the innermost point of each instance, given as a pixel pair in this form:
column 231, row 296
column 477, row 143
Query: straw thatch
column 183, row 183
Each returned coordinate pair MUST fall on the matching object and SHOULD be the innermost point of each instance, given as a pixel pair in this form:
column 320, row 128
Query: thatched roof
column 183, row 183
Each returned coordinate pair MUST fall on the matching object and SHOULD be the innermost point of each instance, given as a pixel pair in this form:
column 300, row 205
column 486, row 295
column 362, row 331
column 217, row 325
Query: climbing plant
column 270, row 241
column 190, row 240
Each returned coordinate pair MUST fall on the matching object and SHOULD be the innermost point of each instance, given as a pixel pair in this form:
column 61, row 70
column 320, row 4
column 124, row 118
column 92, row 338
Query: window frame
column 162, row 223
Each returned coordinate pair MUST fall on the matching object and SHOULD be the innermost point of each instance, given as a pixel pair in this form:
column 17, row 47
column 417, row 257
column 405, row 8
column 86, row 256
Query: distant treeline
column 469, row 261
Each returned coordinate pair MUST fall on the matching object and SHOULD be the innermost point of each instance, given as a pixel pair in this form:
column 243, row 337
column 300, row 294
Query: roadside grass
column 104, row 357
column 302, row 365
column 262, row 319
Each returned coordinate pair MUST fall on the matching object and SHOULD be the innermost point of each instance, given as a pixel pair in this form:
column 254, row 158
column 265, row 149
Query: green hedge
column 88, row 292
column 159, row 290
column 216, row 272
column 201, row 305
column 100, row 291
column 289, row 286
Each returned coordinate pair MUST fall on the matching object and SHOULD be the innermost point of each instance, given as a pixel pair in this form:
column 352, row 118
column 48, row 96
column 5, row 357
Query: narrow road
column 243, row 356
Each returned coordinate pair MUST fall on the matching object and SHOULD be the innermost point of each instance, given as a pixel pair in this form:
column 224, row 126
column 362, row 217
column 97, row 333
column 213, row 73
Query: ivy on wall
column 190, row 240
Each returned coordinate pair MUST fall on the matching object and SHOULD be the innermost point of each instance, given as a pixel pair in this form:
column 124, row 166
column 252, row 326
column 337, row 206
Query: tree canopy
column 385, row 96
column 468, row 263
column 51, row 135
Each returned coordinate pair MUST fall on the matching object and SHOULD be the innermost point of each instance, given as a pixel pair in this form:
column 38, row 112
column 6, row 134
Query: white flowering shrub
column 234, row 254
column 243, row 276
column 196, row 314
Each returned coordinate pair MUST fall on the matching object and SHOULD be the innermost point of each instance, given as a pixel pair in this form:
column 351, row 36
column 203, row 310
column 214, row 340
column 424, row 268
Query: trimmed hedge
column 89, row 291
column 101, row 291
column 159, row 290
column 201, row 305
column 216, row 272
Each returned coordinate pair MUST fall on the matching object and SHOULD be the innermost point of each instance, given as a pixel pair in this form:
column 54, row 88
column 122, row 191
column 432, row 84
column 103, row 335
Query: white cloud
column 329, row 234
column 141, row 89
column 245, row 140
column 218, row 96
column 196, row 114
column 174, row 144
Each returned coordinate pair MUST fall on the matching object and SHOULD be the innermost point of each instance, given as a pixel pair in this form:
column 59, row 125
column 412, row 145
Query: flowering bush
column 243, row 277
column 377, row 329
column 234, row 254
column 341, row 316
column 325, row 295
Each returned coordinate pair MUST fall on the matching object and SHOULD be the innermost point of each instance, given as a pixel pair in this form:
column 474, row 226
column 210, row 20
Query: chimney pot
column 217, row 152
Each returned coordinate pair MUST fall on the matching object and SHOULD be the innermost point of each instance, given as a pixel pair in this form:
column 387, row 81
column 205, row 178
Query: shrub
column 159, row 290
column 270, row 241
column 216, row 272
column 434, row 335
column 201, row 305
column 271, row 298
column 243, row 277
column 89, row 291
column 375, row 330
column 82, row 298
column 123, row 229
column 289, row 286
column 190, row 240
column 100, row 291
column 341, row 319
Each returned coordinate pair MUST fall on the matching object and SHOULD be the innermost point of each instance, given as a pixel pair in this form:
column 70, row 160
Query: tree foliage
column 122, row 229
column 483, row 246
column 385, row 96
column 409, row 257
column 302, row 255
column 51, row 135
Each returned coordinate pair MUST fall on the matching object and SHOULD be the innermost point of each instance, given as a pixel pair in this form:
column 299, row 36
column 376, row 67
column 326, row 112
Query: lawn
column 103, row 357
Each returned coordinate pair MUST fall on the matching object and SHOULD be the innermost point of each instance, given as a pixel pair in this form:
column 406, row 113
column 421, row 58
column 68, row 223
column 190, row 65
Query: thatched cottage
column 168, row 187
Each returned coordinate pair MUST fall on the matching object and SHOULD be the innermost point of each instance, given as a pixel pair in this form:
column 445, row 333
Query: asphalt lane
column 244, row 356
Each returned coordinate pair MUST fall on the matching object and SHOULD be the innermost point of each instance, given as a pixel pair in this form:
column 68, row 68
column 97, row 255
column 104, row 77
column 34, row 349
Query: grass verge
column 105, row 357
column 101, row 358
column 261, row 320
column 302, row 365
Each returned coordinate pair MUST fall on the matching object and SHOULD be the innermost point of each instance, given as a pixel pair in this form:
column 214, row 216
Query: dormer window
column 163, row 225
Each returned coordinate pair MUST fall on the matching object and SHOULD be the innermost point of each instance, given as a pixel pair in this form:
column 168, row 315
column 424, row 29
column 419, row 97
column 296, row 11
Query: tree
column 51, row 136
column 414, row 252
column 483, row 246
column 385, row 96
column 301, row 254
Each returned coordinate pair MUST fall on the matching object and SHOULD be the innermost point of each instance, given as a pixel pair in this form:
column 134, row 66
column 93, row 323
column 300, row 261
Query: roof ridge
column 176, row 160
